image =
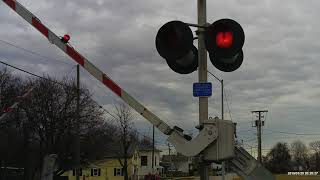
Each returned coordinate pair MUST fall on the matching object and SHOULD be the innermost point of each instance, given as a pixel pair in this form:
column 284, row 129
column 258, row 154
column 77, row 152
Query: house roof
column 115, row 150
column 174, row 158
column 147, row 147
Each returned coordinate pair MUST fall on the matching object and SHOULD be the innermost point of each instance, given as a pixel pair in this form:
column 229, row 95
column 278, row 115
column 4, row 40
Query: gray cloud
column 279, row 72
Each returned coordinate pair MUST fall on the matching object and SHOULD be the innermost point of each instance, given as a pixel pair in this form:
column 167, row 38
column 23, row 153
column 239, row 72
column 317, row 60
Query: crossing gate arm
column 87, row 65
column 15, row 104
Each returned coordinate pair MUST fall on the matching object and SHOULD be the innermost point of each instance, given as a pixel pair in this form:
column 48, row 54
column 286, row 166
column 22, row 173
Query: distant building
column 145, row 153
column 177, row 162
column 109, row 168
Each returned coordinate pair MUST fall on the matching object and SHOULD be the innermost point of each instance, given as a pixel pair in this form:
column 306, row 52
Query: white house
column 145, row 153
column 177, row 163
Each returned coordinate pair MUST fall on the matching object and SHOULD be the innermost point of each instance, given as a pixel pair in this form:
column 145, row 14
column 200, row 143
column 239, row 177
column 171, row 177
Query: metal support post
column 202, row 56
column 203, row 101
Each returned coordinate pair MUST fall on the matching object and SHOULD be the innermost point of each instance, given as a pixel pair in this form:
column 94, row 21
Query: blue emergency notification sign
column 202, row 89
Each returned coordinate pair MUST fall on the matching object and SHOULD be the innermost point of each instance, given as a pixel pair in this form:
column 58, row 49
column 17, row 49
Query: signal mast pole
column 202, row 56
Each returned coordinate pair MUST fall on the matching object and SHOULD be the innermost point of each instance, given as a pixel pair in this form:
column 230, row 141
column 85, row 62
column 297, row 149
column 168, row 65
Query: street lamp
column 222, row 117
column 221, row 81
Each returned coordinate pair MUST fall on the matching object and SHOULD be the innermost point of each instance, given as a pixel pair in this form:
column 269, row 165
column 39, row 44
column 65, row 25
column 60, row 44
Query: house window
column 95, row 172
column 144, row 160
column 74, row 172
column 118, row 172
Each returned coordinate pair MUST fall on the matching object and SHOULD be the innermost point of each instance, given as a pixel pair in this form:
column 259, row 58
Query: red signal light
column 224, row 39
column 65, row 38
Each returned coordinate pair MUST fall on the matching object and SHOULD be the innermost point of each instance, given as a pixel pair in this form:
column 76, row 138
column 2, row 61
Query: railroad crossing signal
column 223, row 39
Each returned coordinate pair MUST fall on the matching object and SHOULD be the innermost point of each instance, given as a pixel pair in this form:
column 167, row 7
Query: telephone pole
column 259, row 124
column 77, row 134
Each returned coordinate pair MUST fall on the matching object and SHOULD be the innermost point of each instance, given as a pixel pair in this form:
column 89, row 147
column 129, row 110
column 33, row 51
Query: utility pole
column 202, row 71
column 77, row 134
column 169, row 148
column 259, row 124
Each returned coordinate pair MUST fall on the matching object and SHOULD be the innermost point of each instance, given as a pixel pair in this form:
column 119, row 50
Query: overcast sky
column 279, row 73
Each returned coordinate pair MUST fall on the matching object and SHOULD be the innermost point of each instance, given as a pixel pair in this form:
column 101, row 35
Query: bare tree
column 315, row 146
column 300, row 155
column 10, row 89
column 127, row 135
column 97, row 141
column 52, row 117
column 278, row 160
column 10, row 138
column 146, row 142
column 45, row 123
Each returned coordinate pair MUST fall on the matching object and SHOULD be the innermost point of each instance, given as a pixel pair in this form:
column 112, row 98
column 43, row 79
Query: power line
column 22, row 70
column 32, row 52
column 41, row 77
column 292, row 133
column 101, row 107
column 244, row 122
column 71, row 70
column 221, row 83
column 263, row 134
column 116, row 100
column 115, row 118
column 103, row 89
column 263, row 149
column 157, row 142
column 214, row 76
column 248, row 130
column 249, row 140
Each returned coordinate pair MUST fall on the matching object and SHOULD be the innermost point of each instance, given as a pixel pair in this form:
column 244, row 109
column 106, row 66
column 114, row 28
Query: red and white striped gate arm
column 14, row 105
column 86, row 64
